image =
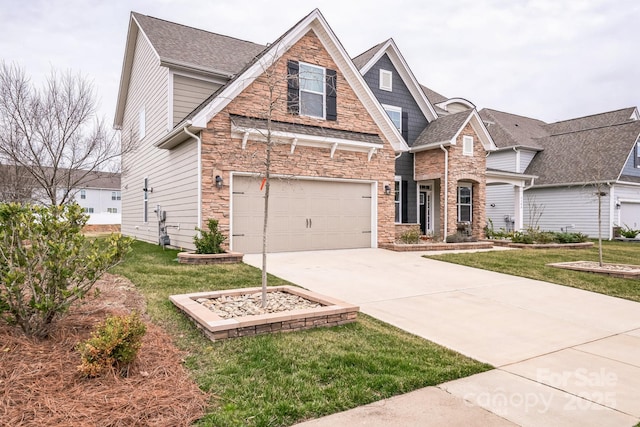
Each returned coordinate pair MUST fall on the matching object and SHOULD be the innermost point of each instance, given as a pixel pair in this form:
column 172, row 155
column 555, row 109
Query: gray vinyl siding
column 525, row 158
column 502, row 160
column 564, row 206
column 188, row 93
column 502, row 196
column 171, row 173
column 400, row 97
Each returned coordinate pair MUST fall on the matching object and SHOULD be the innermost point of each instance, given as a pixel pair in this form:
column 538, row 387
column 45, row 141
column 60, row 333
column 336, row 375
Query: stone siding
column 222, row 154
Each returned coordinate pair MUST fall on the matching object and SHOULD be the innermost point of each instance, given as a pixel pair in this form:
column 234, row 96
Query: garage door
column 630, row 215
column 303, row 215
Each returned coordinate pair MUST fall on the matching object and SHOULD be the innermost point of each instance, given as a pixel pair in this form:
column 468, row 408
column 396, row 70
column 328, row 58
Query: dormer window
column 386, row 80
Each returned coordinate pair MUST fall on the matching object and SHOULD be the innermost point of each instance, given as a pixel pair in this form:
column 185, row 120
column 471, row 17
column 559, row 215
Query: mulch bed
column 40, row 384
column 625, row 271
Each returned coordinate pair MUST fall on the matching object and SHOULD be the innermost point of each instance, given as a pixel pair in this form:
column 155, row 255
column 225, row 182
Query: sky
column 547, row 59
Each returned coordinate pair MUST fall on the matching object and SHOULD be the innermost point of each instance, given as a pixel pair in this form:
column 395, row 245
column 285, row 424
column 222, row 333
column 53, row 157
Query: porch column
column 518, row 202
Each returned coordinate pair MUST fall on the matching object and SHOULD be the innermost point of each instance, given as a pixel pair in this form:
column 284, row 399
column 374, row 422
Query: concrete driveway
column 564, row 356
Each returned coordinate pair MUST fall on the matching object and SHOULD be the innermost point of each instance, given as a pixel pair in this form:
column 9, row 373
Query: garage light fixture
column 387, row 189
column 219, row 181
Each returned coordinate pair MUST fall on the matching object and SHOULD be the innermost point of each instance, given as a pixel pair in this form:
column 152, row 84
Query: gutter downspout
column 446, row 189
column 197, row 138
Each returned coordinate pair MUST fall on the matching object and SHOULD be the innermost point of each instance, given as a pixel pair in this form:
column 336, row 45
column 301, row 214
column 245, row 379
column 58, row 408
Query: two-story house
column 200, row 106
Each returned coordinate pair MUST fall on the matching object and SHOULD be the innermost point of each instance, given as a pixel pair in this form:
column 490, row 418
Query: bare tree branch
column 54, row 134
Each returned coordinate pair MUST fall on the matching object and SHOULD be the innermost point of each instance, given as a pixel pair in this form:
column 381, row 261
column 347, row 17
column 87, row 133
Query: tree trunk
column 266, row 216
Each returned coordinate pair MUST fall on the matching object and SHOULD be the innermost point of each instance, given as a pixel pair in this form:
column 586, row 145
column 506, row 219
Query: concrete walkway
column 564, row 357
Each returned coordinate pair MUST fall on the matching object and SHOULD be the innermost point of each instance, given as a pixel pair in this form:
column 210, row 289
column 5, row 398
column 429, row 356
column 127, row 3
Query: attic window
column 386, row 80
column 467, row 145
column 311, row 90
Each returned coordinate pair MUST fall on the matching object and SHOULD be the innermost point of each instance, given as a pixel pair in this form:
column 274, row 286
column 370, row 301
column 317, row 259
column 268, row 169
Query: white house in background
column 100, row 197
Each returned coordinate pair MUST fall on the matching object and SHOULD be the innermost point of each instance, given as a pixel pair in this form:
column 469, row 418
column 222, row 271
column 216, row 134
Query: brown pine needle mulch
column 40, row 384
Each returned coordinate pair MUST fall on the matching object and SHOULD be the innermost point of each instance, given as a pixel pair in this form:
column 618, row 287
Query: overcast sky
column 547, row 59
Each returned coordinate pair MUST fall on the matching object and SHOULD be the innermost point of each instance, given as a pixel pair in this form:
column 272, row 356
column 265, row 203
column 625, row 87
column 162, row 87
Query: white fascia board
column 432, row 146
column 398, row 61
column 481, row 131
column 125, row 77
column 634, row 114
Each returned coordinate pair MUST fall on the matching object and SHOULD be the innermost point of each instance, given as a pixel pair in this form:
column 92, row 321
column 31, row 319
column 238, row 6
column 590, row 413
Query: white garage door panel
column 630, row 215
column 303, row 215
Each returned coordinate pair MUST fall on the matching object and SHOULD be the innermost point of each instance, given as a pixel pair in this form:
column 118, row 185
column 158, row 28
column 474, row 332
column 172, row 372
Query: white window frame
column 323, row 93
column 397, row 196
column 112, row 210
column 467, row 145
column 142, row 124
column 88, row 210
column 470, row 204
column 394, row 109
column 386, row 80
column 116, row 195
column 83, row 194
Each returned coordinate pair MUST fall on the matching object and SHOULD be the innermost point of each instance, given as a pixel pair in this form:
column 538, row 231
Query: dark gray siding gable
column 630, row 168
column 413, row 122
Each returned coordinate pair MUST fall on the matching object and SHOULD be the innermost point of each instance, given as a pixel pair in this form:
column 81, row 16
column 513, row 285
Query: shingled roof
column 182, row 45
column 362, row 59
column 441, row 130
column 511, row 130
column 591, row 122
column 584, row 156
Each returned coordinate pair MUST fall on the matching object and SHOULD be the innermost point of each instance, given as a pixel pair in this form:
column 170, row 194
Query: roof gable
column 181, row 47
column 369, row 58
column 313, row 22
column 512, row 130
column 445, row 130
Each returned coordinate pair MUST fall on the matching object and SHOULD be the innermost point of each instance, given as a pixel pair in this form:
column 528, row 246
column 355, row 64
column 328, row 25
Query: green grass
column 531, row 263
column 281, row 379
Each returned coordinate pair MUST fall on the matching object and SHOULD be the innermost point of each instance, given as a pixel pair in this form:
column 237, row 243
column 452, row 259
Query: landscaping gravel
column 251, row 304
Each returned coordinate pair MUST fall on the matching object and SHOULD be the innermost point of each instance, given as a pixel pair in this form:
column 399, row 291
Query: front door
column 425, row 209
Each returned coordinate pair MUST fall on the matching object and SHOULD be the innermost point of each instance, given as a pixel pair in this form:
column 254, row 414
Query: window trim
column 470, row 204
column 323, row 93
column 83, row 194
column 112, row 210
column 467, row 145
column 394, row 109
column 142, row 124
column 397, row 197
column 389, row 76
column 116, row 195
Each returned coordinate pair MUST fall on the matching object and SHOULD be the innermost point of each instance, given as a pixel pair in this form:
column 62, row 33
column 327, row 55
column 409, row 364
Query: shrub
column 210, row 241
column 411, row 236
column 571, row 237
column 522, row 237
column 628, row 232
column 46, row 264
column 114, row 344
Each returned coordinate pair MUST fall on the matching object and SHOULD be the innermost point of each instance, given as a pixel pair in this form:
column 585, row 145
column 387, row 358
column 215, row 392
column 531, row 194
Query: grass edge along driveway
column 531, row 263
column 285, row 378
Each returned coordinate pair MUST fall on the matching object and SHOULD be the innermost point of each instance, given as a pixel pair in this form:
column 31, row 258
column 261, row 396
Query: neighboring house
column 566, row 164
column 195, row 103
column 440, row 182
column 100, row 197
column 98, row 194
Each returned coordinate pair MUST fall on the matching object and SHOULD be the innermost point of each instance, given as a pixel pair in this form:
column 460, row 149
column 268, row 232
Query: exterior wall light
column 219, row 181
column 387, row 189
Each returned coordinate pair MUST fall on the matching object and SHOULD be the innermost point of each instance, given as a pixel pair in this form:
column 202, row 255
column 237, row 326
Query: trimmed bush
column 411, row 236
column 114, row 344
column 209, row 242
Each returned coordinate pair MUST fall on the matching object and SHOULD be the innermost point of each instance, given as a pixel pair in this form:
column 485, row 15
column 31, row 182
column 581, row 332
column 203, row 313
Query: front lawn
column 531, row 263
column 281, row 379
